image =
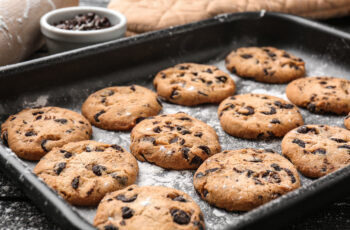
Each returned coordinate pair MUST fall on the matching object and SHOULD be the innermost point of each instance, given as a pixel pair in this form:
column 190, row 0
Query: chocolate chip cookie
column 321, row 94
column 31, row 133
column 148, row 208
column 120, row 107
column 347, row 121
column 254, row 116
column 174, row 141
column 193, row 84
column 240, row 180
column 265, row 64
column 83, row 172
column 317, row 150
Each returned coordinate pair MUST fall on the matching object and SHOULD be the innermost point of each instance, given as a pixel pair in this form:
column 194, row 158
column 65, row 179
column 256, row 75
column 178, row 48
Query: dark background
column 17, row 212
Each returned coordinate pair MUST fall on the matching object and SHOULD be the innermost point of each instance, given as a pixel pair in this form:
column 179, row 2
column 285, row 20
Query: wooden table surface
column 18, row 212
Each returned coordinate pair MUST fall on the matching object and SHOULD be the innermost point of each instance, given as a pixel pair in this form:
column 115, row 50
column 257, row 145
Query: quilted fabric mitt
column 148, row 15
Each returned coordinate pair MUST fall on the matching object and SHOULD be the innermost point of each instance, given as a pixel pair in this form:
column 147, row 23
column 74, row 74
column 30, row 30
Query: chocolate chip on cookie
column 120, row 108
column 317, row 150
column 240, row 180
column 152, row 207
column 83, row 172
column 31, row 133
column 192, row 84
column 254, row 116
column 321, row 94
column 265, row 64
column 174, row 141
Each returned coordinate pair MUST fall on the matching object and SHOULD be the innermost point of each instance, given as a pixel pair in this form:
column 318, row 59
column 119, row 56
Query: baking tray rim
column 29, row 181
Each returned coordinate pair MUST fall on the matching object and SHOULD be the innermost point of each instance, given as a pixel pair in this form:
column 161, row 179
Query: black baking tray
column 67, row 75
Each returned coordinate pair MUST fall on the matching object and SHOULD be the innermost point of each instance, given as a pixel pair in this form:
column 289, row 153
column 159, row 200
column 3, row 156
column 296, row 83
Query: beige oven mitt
column 20, row 26
column 148, row 15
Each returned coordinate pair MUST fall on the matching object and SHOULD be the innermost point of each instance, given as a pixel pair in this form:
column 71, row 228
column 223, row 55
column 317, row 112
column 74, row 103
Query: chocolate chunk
column 198, row 224
column 204, row 94
column 149, row 139
column 110, row 227
column 66, row 153
column 275, row 121
column 185, row 151
column 173, row 140
column 122, row 180
column 81, row 22
column 311, row 107
column 196, row 160
column 159, row 101
column 139, row 119
column 222, row 79
column 250, row 111
column 98, row 114
column 157, row 129
column 299, row 142
column 62, row 121
column 185, row 119
column 118, row 148
column 75, row 182
column 127, row 212
column 123, row 198
column 246, row 56
column 205, row 149
column 237, row 170
column 338, row 140
column 59, row 167
column 88, row 149
column 38, row 112
column 38, row 117
column 198, row 134
column 265, row 71
column 257, row 181
column 275, row 167
column 180, row 217
column 179, row 199
column 30, row 133
column 184, row 132
column 182, row 67
column 249, row 173
column 200, row 175
column 208, row 70
column 305, row 129
column 344, row 147
column 97, row 169
column 133, row 88
column 286, row 55
column 320, row 151
column 43, row 143
column 211, row 170
column 272, row 111
column 290, row 174
column 330, row 87
column 175, row 94
column 256, row 160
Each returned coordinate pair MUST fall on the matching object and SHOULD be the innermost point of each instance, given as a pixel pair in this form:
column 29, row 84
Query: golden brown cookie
column 83, row 172
column 193, row 84
column 174, row 141
column 254, row 116
column 265, row 64
column 120, row 107
column 148, row 208
column 347, row 121
column 240, row 180
column 317, row 150
column 321, row 94
column 31, row 133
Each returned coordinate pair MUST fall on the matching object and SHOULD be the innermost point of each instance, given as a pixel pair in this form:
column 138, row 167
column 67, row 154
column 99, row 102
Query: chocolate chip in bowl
column 75, row 27
column 82, row 22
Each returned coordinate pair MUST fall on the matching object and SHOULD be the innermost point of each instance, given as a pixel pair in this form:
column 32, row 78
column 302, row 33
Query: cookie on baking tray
column 321, row 94
column 31, row 133
column 254, row 116
column 347, row 121
column 265, row 64
column 83, row 172
column 193, row 84
column 120, row 107
column 317, row 150
column 240, row 180
column 148, row 208
column 174, row 141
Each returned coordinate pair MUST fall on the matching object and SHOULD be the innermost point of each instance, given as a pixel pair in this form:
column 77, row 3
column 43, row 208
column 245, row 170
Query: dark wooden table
column 18, row 212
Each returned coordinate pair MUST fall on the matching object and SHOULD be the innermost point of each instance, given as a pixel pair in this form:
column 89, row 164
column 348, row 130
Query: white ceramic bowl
column 59, row 40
